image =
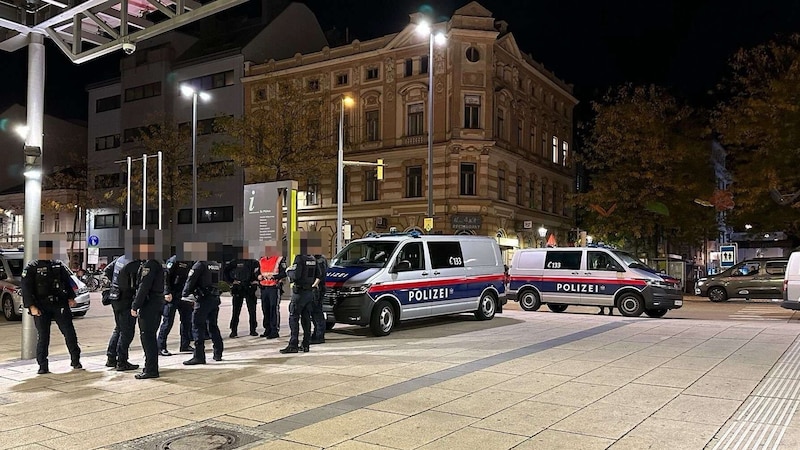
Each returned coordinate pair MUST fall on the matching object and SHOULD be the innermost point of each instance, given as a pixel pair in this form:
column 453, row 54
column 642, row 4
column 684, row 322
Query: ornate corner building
column 502, row 134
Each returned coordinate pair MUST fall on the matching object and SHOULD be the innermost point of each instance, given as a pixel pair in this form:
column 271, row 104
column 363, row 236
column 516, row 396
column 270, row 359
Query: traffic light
column 380, row 169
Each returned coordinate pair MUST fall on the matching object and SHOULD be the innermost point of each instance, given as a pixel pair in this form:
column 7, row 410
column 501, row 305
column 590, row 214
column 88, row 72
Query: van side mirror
column 402, row 266
column 3, row 276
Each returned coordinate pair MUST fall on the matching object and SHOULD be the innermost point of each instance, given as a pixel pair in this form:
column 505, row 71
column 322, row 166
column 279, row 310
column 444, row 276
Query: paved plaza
column 523, row 380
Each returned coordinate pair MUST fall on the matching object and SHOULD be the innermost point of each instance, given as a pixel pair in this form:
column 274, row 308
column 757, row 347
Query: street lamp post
column 346, row 101
column 189, row 91
column 424, row 28
column 542, row 234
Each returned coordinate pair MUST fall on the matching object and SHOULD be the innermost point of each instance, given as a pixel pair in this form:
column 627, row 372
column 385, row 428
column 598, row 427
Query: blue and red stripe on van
column 438, row 289
column 608, row 286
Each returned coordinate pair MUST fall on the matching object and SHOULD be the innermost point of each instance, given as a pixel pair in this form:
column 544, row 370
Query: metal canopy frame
column 88, row 29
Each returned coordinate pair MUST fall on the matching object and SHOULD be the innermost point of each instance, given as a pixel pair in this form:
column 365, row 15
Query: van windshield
column 633, row 262
column 365, row 254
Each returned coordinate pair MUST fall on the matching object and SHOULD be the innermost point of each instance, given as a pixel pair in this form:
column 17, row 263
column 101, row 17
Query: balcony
column 415, row 140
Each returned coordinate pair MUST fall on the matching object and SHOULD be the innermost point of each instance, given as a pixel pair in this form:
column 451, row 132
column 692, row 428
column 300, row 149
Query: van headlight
column 83, row 290
column 356, row 290
column 658, row 283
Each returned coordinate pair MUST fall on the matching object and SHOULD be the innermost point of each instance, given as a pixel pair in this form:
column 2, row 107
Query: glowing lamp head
column 187, row 91
column 440, row 39
column 424, row 28
column 348, row 101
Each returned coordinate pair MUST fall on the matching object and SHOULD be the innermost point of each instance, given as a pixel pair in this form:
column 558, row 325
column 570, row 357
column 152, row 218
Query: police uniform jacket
column 176, row 276
column 203, row 281
column 150, row 292
column 242, row 270
column 46, row 283
column 125, row 281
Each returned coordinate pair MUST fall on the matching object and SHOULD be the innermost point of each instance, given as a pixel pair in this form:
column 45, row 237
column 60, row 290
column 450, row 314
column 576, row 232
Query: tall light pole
column 189, row 91
column 346, row 101
column 424, row 28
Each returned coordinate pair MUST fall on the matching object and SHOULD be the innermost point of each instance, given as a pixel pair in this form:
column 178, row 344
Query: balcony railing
column 415, row 140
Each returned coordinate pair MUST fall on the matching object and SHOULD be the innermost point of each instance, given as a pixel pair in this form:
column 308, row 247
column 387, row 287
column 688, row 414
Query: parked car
column 758, row 278
column 11, row 265
column 791, row 283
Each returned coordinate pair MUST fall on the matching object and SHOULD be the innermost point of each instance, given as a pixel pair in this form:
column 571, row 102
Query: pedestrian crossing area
column 762, row 310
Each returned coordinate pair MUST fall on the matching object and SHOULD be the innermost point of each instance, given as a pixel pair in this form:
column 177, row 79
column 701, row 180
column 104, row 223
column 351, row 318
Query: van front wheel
column 630, row 305
column 486, row 307
column 382, row 321
column 529, row 301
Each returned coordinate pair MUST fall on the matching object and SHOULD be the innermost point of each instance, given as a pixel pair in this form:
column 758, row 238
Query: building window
column 370, row 185
column 106, row 142
column 413, row 181
column 532, row 193
column 107, row 104
column 345, row 189
column 501, row 184
column 106, row 181
column 532, row 143
column 468, row 179
column 342, row 79
column 520, row 128
column 409, row 67
column 313, row 85
column 57, row 223
column 143, row 91
column 564, row 153
column 554, row 193
column 41, row 223
column 520, row 194
column 152, row 217
column 346, row 127
column 473, row 55
column 133, row 134
column 472, row 111
column 555, row 149
column 564, row 211
column 204, row 126
column 372, row 73
column 372, row 125
column 501, row 125
column 213, row 81
column 312, row 192
column 106, row 221
column 415, row 119
column 544, row 144
column 261, row 94
column 207, row 215
column 423, row 64
column 543, row 197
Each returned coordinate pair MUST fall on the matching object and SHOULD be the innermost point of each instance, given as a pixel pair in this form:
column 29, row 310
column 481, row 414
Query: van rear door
column 561, row 277
column 449, row 290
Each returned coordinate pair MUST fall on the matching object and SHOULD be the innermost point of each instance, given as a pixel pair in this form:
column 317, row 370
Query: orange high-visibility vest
column 269, row 267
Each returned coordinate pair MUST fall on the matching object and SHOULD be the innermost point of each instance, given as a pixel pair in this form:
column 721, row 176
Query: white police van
column 382, row 280
column 591, row 276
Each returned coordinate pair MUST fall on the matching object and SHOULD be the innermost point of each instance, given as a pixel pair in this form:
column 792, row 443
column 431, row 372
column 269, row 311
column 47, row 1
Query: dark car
column 759, row 278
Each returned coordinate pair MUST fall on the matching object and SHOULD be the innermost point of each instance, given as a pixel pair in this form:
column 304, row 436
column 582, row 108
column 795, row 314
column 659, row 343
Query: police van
column 382, row 280
column 559, row 277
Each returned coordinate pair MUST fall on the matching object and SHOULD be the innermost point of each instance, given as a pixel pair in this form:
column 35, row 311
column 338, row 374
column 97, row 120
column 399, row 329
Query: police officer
column 306, row 276
column 123, row 288
column 318, row 317
column 272, row 272
column 203, row 284
column 176, row 275
column 241, row 274
column 147, row 306
column 48, row 296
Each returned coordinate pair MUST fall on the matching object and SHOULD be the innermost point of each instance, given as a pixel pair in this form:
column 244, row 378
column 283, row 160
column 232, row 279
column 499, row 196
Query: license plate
column 678, row 302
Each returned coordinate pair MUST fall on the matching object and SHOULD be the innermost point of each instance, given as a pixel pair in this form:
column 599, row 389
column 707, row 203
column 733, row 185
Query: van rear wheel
column 655, row 313
column 486, row 307
column 383, row 318
column 630, row 305
column 529, row 301
column 556, row 308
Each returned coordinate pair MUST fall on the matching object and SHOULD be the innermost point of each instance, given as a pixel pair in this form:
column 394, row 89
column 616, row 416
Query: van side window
column 563, row 260
column 445, row 255
column 414, row 255
column 601, row 261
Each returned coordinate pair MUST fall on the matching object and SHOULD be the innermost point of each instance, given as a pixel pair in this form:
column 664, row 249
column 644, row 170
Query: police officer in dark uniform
column 176, row 275
column 241, row 274
column 318, row 317
column 48, row 296
column 203, row 284
column 306, row 276
column 123, row 288
column 147, row 306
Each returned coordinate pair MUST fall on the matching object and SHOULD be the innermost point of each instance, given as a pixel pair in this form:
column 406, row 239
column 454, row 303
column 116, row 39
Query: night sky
column 682, row 44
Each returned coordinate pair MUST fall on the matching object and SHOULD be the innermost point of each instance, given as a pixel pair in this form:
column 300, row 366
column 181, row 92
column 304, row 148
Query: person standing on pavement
column 123, row 288
column 272, row 273
column 149, row 299
column 175, row 278
column 306, row 277
column 317, row 315
column 241, row 274
column 48, row 295
column 203, row 284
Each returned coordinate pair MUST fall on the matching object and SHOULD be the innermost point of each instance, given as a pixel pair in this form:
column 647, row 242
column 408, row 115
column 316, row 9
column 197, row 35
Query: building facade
column 503, row 133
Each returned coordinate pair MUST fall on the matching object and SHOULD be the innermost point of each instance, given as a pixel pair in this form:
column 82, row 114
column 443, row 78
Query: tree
column 647, row 159
column 286, row 135
column 758, row 123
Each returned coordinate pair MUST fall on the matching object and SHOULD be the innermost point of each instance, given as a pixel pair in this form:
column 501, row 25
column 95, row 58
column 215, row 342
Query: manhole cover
column 214, row 440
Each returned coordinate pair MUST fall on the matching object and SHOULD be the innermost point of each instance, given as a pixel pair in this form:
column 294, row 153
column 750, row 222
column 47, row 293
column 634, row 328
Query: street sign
column 727, row 256
column 93, row 256
column 428, row 223
column 93, row 241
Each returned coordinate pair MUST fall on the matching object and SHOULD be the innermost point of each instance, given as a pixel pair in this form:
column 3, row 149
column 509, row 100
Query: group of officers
column 144, row 290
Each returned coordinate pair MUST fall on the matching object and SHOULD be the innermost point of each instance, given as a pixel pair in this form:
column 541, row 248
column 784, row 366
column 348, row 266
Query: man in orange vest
column 272, row 272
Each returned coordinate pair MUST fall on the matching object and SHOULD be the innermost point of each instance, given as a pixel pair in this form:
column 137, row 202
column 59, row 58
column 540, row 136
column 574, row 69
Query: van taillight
column 785, row 284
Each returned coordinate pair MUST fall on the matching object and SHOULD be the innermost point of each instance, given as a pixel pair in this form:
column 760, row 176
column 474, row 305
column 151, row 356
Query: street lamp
column 189, row 91
column 346, row 102
column 542, row 234
column 425, row 28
